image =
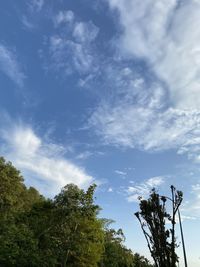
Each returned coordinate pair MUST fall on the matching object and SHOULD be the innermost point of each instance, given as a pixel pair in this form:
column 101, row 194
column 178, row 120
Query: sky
column 105, row 92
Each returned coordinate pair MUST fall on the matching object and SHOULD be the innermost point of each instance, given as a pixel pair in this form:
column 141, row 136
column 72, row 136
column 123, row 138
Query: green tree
column 17, row 242
column 11, row 188
column 14, row 196
column 67, row 228
column 141, row 261
column 41, row 220
column 18, row 246
column 115, row 253
column 79, row 233
column 59, row 232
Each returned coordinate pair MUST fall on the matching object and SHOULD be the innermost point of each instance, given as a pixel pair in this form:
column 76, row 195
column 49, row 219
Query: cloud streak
column 191, row 208
column 42, row 163
column 10, row 66
column 143, row 189
column 149, row 129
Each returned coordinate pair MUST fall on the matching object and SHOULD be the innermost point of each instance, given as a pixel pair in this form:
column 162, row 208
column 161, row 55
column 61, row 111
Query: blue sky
column 105, row 91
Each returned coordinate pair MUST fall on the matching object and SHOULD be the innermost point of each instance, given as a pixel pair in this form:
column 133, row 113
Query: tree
column 18, row 246
column 59, row 232
column 14, row 196
column 11, row 188
column 115, row 253
column 141, row 261
column 152, row 217
column 79, row 232
column 17, row 242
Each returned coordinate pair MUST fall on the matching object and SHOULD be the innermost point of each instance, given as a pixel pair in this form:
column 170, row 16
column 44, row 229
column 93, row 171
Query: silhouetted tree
column 153, row 217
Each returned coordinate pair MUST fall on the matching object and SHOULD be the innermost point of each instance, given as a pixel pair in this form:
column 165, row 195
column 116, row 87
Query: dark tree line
column 59, row 232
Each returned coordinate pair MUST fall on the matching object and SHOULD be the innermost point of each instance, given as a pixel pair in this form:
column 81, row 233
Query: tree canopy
column 64, row 231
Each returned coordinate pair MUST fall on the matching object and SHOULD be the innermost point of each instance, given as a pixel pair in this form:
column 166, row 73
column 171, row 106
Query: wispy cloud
column 66, row 16
column 191, row 207
column 121, row 173
column 71, row 49
column 36, row 5
column 143, row 189
column 84, row 155
column 9, row 65
column 41, row 162
column 154, row 104
column 27, row 23
column 146, row 128
column 164, row 33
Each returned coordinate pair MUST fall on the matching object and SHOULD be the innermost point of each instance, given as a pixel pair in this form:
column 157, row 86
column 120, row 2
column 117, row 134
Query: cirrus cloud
column 143, row 189
column 9, row 65
column 165, row 34
column 156, row 97
column 71, row 48
column 42, row 163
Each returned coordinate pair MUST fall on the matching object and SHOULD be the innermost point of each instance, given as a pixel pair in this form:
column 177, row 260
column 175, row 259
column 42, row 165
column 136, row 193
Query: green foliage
column 18, row 246
column 77, row 233
column 141, row 261
column 17, row 241
column 116, row 254
column 64, row 231
column 11, row 188
column 14, row 196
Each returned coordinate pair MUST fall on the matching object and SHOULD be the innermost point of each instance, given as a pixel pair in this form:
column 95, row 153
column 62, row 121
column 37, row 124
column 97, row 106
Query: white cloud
column 69, row 55
column 154, row 103
column 85, row 32
column 72, row 49
column 138, row 116
column 122, row 173
column 27, row 23
column 84, row 155
column 143, row 189
column 10, row 66
column 143, row 128
column 41, row 163
column 183, row 218
column 36, row 5
column 191, row 208
column 165, row 34
column 155, row 181
column 66, row 16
